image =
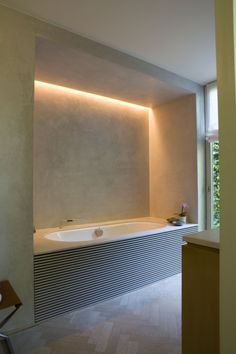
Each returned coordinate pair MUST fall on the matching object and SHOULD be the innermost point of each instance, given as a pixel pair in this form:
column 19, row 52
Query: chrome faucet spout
column 66, row 222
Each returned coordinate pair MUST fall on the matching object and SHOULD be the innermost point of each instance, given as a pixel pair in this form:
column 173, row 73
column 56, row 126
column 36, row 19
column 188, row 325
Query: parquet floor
column 146, row 321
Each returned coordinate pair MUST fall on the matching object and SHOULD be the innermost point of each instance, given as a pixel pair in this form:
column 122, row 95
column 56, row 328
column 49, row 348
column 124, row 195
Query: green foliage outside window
column 216, row 184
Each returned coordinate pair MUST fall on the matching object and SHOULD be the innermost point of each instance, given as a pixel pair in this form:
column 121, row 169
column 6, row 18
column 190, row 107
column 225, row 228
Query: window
column 215, row 185
column 212, row 149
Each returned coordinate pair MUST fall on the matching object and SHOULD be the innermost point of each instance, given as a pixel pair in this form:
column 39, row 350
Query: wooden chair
column 8, row 298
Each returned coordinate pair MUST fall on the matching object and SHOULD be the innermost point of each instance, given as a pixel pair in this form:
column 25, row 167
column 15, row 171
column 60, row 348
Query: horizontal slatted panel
column 75, row 278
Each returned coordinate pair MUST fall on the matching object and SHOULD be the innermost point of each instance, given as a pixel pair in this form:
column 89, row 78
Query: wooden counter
column 200, row 294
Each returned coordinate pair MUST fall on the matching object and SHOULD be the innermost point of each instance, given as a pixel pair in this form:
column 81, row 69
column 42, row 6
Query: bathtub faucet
column 67, row 222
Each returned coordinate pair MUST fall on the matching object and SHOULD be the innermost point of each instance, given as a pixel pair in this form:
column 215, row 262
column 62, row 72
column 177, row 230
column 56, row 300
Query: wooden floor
column 147, row 321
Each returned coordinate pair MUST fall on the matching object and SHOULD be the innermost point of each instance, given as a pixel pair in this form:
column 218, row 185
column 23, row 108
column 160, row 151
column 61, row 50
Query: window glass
column 212, row 125
column 215, row 185
column 212, row 158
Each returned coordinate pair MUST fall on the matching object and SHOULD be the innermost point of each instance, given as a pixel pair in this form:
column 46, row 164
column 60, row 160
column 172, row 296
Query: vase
column 183, row 219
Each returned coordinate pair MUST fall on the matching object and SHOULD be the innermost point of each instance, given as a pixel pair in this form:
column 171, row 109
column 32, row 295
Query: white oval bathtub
column 88, row 234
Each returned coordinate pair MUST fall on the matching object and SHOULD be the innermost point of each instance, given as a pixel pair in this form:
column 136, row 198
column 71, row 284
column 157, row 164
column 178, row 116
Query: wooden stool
column 8, row 298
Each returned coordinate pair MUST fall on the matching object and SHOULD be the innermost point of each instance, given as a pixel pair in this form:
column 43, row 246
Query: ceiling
column 177, row 35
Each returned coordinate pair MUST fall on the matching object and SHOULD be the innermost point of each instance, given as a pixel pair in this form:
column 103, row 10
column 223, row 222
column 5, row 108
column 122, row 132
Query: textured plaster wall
column 173, row 158
column 16, row 172
column 91, row 159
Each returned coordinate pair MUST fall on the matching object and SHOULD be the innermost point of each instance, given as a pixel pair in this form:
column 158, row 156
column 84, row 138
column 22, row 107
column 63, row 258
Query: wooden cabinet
column 200, row 300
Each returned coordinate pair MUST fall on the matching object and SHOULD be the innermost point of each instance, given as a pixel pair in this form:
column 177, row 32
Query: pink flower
column 184, row 206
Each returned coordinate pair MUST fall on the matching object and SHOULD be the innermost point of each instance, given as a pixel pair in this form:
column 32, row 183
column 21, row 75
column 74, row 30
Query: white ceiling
column 177, row 35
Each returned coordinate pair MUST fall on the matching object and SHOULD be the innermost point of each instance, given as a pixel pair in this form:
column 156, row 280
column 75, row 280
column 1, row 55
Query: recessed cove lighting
column 91, row 95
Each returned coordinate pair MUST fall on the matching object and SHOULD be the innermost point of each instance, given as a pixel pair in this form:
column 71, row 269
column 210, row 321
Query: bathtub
column 109, row 232
column 75, row 268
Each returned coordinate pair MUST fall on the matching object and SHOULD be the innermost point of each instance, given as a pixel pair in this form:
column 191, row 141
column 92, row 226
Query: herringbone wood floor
column 146, row 321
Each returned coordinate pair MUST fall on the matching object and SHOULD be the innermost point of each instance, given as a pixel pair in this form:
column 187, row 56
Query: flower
column 184, row 206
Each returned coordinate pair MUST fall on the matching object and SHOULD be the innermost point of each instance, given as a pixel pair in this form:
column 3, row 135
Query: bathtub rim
column 43, row 245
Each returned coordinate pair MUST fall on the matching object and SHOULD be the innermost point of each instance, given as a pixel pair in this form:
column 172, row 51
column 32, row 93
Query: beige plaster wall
column 173, row 158
column 91, row 159
column 16, row 172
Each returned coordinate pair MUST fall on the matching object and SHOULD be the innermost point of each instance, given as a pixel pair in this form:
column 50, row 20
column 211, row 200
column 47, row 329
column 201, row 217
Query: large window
column 212, row 148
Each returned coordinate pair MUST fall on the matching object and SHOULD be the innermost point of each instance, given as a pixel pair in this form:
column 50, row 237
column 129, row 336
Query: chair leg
column 7, row 343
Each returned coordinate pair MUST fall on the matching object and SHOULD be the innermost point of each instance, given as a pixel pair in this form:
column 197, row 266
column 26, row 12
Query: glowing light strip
column 91, row 95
